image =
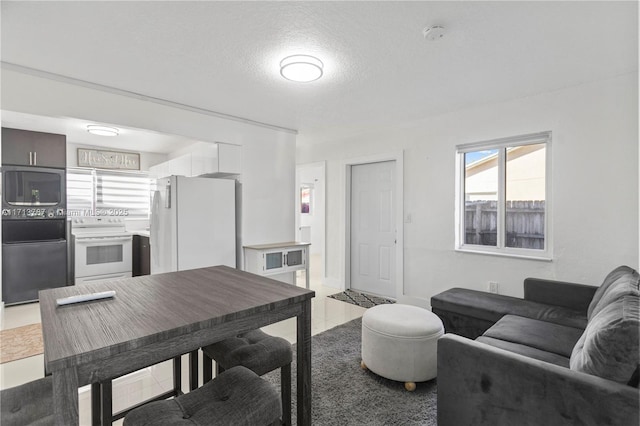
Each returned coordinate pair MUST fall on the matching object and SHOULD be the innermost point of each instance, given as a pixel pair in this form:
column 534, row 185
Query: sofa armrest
column 559, row 293
column 480, row 384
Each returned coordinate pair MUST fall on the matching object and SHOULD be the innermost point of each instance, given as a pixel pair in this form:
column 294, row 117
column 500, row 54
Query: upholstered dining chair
column 235, row 397
column 30, row 404
column 257, row 351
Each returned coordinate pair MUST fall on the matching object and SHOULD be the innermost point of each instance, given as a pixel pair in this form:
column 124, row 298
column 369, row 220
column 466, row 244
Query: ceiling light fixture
column 94, row 129
column 301, row 68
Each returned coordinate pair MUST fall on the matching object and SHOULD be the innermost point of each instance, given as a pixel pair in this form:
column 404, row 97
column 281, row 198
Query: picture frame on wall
column 306, row 197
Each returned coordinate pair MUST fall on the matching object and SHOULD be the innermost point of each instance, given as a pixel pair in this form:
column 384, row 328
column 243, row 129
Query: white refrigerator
column 193, row 224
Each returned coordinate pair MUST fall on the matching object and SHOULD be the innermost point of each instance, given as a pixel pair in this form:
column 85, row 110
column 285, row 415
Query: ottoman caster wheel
column 410, row 386
column 363, row 365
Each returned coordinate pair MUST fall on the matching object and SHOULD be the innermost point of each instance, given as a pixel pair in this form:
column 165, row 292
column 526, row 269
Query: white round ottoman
column 399, row 342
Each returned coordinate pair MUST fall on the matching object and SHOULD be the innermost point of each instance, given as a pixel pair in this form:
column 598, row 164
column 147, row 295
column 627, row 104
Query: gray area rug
column 360, row 299
column 344, row 394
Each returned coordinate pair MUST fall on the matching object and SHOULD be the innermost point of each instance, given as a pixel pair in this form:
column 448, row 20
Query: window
column 503, row 196
column 92, row 192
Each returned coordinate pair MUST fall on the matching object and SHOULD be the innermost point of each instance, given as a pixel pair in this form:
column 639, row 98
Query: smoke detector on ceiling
column 433, row 33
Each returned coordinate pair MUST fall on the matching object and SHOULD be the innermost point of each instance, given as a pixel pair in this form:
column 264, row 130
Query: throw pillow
column 609, row 346
column 622, row 280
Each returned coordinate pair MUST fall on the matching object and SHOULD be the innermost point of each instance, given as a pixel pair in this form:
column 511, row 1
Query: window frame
column 500, row 249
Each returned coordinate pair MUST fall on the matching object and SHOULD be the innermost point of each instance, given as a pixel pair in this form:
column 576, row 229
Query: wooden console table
column 277, row 258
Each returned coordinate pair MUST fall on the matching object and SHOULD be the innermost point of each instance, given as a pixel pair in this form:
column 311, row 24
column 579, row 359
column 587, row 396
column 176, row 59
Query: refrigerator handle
column 153, row 226
column 167, row 202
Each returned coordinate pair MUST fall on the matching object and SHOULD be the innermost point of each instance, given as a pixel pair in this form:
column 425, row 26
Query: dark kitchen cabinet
column 141, row 256
column 27, row 148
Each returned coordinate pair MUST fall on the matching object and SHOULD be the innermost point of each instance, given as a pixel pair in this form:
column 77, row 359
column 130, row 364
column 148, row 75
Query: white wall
column 268, row 164
column 595, row 187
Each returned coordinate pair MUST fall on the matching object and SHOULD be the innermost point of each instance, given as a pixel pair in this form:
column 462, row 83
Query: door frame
column 323, row 166
column 398, row 157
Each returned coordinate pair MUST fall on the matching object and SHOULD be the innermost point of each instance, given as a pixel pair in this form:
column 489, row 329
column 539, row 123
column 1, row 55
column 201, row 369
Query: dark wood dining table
column 155, row 318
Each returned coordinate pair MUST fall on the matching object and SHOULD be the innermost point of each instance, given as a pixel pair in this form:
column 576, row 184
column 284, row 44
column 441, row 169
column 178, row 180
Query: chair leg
column 177, row 376
column 193, row 370
column 95, row 404
column 106, row 411
column 207, row 368
column 285, row 393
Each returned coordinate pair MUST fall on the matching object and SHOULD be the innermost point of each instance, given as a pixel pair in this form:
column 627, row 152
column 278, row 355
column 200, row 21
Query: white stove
column 102, row 249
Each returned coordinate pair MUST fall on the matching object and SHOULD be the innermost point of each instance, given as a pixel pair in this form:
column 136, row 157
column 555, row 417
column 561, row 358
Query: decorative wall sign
column 108, row 159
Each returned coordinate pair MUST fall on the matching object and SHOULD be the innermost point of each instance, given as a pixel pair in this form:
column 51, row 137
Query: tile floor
column 140, row 385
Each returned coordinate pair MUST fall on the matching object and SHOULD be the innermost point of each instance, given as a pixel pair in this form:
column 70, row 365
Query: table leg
column 65, row 397
column 193, row 370
column 304, row 364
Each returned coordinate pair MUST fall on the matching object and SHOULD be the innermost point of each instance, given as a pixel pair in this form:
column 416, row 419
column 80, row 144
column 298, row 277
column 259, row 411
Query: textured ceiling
column 379, row 69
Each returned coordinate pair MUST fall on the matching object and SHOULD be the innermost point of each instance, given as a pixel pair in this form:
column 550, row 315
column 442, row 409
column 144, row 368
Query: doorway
column 310, row 214
column 374, row 227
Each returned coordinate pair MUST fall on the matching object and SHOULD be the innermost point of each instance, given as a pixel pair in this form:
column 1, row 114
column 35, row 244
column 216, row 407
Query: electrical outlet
column 493, row 287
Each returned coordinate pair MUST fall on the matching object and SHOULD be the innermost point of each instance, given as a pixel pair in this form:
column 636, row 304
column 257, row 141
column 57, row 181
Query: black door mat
column 360, row 299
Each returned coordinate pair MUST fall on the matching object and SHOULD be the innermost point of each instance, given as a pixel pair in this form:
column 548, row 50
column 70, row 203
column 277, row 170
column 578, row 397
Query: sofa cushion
column 609, row 346
column 534, row 353
column 619, row 282
column 542, row 335
column 492, row 307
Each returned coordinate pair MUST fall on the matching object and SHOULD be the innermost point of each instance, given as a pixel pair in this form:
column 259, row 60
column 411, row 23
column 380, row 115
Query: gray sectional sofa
column 566, row 354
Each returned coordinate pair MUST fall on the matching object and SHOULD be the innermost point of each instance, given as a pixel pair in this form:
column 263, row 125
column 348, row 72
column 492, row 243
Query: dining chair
column 257, row 351
column 28, row 404
column 235, row 397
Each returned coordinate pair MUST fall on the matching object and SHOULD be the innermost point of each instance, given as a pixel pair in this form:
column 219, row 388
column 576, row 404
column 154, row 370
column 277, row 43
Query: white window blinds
column 107, row 193
column 80, row 192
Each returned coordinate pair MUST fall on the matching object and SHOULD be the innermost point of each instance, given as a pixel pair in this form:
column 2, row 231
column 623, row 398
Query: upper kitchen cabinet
column 219, row 159
column 206, row 159
column 27, row 148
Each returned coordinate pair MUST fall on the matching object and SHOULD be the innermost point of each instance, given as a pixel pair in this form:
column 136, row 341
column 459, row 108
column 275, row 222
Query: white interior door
column 373, row 233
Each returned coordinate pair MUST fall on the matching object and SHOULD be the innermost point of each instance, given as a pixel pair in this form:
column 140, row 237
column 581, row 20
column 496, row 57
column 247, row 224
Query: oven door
column 102, row 255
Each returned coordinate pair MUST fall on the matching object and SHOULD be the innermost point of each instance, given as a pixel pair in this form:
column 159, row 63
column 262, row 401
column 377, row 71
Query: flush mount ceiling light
column 301, row 68
column 433, row 33
column 94, row 129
